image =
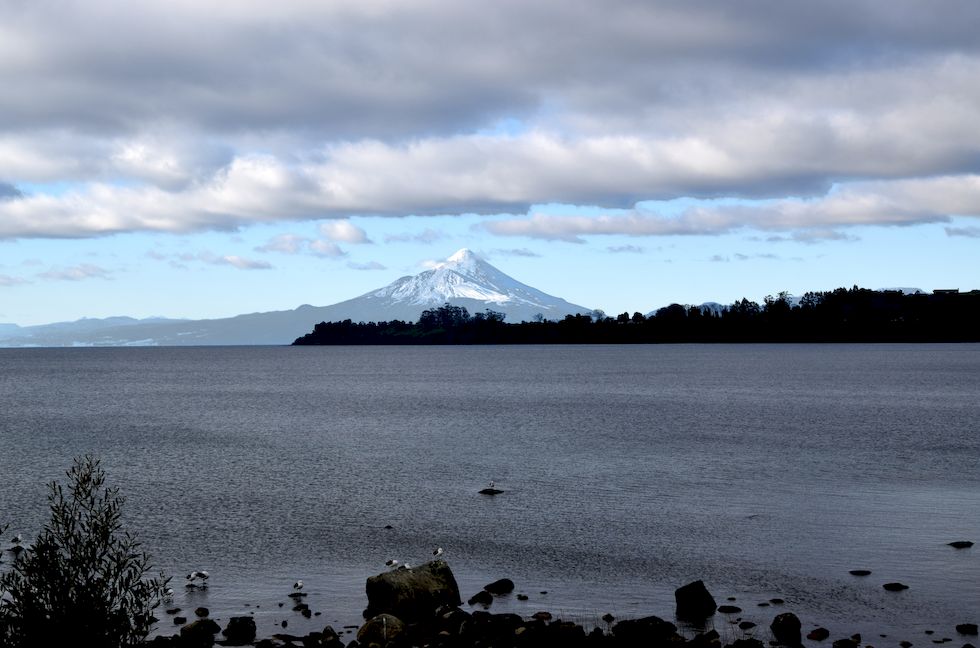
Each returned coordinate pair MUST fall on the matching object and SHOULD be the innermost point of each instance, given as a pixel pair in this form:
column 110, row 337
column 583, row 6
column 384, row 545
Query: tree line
column 841, row 315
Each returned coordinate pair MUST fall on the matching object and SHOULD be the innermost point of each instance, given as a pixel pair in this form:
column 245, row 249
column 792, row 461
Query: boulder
column 240, row 631
column 199, row 634
column 786, row 629
column 694, row 601
column 967, row 629
column 412, row 594
column 895, row 587
column 499, row 587
column 818, row 634
column 491, row 491
column 380, row 630
column 646, row 631
column 729, row 609
column 482, row 597
column 961, row 544
column 202, row 612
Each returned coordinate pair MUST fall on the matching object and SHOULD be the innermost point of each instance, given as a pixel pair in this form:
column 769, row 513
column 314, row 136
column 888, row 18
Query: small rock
column 763, row 604
column 776, row 601
column 522, row 597
column 729, row 609
column 961, row 544
column 240, row 631
column 967, row 629
column 380, row 629
column 543, row 592
column 860, row 572
column 500, row 587
column 542, row 616
column 929, row 632
column 179, row 620
column 172, row 610
column 856, row 637
column 307, row 613
column 895, row 587
column 818, row 634
column 608, row 618
column 201, row 612
column 297, row 595
column 746, row 625
column 284, row 623
column 786, row 629
column 389, row 527
column 199, row 633
column 491, row 491
column 845, row 643
column 905, row 644
column 730, row 598
column 482, row 597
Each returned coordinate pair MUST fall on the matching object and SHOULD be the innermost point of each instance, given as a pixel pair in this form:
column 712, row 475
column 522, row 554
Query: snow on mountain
column 464, row 279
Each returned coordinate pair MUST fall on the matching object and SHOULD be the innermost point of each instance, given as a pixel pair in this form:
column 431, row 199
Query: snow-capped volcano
column 464, row 279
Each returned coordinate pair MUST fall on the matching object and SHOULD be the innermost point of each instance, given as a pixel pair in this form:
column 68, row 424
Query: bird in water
column 298, row 585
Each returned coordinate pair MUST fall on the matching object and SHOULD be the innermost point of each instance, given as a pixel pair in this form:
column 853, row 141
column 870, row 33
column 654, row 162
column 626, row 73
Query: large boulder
column 380, row 630
column 199, row 634
column 500, row 587
column 413, row 594
column 786, row 629
column 694, row 601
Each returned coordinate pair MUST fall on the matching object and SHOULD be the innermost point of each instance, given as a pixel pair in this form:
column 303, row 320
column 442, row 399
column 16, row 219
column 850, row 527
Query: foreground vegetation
column 842, row 315
column 84, row 581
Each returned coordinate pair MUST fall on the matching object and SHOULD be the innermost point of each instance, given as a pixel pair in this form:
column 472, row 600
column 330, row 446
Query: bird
column 391, row 562
column 168, row 594
column 17, row 539
column 298, row 585
column 491, row 483
column 438, row 551
column 405, row 566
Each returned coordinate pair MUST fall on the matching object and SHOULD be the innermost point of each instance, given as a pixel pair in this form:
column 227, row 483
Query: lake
column 765, row 470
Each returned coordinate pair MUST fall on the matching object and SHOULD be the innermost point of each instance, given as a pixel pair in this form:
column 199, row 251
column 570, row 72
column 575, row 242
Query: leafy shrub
column 84, row 581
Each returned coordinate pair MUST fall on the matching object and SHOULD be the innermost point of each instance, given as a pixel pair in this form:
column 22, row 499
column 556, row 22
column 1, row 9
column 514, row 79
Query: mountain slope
column 462, row 280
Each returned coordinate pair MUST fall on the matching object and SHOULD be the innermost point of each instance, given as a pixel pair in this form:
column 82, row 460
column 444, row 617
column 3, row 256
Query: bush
column 84, row 581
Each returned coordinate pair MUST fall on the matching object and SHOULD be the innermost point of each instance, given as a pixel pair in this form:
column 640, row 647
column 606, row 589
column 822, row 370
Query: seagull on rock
column 392, row 563
column 438, row 552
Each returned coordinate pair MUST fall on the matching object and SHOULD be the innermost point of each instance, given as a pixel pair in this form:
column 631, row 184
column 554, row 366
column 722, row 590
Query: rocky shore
column 421, row 606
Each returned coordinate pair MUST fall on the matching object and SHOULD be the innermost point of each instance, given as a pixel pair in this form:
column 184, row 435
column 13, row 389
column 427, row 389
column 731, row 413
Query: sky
column 195, row 158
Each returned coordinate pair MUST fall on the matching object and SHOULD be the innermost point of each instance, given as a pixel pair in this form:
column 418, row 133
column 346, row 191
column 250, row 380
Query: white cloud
column 242, row 263
column 343, row 231
column 7, row 280
column 326, row 249
column 370, row 265
column 286, row 244
column 76, row 273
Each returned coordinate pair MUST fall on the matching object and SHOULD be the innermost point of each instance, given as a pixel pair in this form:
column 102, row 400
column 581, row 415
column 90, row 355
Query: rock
column 179, row 620
column 895, row 587
column 646, row 631
column 240, row 631
column 845, row 643
column 746, row 625
column 296, row 595
column 542, row 616
column 482, row 597
column 729, row 609
column 491, row 491
column 905, row 644
column 856, row 637
column 818, row 634
column 776, row 601
column 747, row 643
column 522, row 597
column 172, row 610
column 608, row 618
column 306, row 613
column 968, row 645
column 500, row 587
column 860, row 572
column 380, row 629
column 967, row 629
column 199, row 634
column 786, row 629
column 201, row 612
column 961, row 544
column 694, row 601
column 412, row 594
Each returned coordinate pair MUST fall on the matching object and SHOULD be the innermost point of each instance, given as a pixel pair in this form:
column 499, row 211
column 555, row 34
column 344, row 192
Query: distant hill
column 464, row 279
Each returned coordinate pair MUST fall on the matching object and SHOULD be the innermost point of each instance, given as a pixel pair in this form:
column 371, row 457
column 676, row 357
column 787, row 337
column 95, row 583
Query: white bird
column 437, row 552
column 17, row 539
column 168, row 593
column 491, row 483
column 391, row 562
column 204, row 575
column 405, row 566
column 298, row 585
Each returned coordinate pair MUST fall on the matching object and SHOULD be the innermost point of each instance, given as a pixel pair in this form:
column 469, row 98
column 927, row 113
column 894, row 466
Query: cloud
column 427, row 236
column 286, row 244
column 624, row 249
column 370, row 265
column 7, row 280
column 326, row 249
column 738, row 256
column 241, row 263
column 517, row 252
column 969, row 232
column 76, row 273
column 669, row 100
column 343, row 231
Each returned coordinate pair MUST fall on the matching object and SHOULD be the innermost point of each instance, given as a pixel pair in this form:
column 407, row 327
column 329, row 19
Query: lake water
column 765, row 470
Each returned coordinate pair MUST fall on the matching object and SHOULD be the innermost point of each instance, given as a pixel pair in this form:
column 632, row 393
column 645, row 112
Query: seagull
column 168, row 593
column 391, row 562
column 17, row 539
column 491, row 483
column 298, row 585
column 437, row 552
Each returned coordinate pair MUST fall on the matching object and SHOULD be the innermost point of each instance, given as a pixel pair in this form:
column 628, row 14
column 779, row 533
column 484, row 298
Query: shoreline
column 441, row 621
